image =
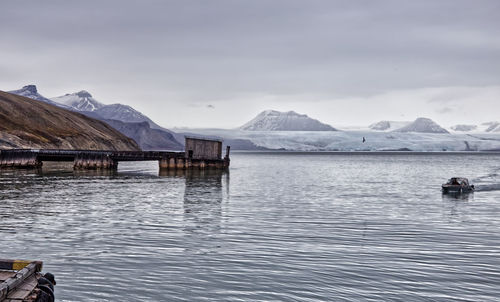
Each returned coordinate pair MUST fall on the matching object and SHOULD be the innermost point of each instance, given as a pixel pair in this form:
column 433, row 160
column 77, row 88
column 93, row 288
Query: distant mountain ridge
column 29, row 123
column 30, row 91
column 84, row 103
column 463, row 128
column 283, row 131
column 147, row 137
column 272, row 120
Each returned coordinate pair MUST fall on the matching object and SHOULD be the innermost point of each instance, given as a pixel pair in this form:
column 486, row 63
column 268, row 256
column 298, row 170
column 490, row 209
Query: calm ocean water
column 277, row 227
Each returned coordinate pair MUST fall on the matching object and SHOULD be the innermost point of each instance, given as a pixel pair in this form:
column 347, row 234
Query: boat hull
column 456, row 189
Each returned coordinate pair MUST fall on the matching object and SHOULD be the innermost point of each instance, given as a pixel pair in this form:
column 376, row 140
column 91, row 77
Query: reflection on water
column 455, row 206
column 203, row 186
column 292, row 227
column 458, row 196
column 203, row 201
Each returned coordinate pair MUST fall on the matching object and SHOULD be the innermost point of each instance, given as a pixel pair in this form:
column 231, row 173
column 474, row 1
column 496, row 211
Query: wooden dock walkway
column 199, row 154
column 91, row 159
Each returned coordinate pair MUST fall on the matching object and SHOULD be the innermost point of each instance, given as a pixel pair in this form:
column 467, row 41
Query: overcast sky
column 219, row 63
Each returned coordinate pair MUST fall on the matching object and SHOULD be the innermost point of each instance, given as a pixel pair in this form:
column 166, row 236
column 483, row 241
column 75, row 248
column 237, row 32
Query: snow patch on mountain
column 30, row 91
column 422, row 125
column 488, row 127
column 83, row 102
column 492, row 126
column 80, row 101
column 126, row 114
column 272, row 120
column 388, row 125
column 464, row 128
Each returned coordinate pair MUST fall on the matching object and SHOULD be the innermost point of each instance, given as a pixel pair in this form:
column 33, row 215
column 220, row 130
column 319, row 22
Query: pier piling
column 199, row 154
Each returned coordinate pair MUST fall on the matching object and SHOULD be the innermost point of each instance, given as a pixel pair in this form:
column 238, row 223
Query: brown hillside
column 27, row 123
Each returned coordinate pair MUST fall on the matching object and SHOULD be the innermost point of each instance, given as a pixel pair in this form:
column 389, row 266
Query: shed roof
column 205, row 138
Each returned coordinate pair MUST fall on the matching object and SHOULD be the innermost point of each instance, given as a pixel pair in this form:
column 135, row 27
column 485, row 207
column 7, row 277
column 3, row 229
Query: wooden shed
column 203, row 148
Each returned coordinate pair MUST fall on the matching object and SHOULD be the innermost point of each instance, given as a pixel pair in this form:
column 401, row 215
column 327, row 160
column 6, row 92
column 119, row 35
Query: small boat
column 22, row 281
column 457, row 185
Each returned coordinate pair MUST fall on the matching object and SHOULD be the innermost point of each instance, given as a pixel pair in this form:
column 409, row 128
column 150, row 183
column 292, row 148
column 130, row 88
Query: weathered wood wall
column 203, row 148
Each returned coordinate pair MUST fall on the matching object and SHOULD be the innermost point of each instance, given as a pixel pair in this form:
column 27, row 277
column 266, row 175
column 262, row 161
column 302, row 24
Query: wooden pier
column 199, row 154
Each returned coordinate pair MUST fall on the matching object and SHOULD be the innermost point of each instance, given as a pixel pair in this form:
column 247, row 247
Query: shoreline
column 375, row 152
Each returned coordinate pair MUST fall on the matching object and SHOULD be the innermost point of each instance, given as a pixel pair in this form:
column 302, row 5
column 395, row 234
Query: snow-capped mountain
column 30, row 91
column 422, row 125
column 29, row 123
column 488, row 127
column 388, row 125
column 130, row 120
column 271, row 120
column 464, row 128
column 81, row 101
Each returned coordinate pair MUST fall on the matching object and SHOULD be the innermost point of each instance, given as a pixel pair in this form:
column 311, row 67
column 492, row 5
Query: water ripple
column 278, row 227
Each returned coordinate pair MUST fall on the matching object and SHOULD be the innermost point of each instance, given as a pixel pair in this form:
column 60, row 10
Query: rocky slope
column 125, row 114
column 28, row 123
column 271, row 120
column 131, row 120
column 146, row 137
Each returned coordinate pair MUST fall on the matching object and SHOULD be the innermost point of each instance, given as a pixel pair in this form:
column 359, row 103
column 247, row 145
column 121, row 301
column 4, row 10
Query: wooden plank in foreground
column 4, row 275
column 20, row 284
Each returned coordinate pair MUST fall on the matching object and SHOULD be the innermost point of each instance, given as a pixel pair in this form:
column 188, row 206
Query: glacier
column 353, row 140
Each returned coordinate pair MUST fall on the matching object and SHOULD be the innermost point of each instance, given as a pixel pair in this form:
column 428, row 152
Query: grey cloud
column 445, row 110
column 203, row 51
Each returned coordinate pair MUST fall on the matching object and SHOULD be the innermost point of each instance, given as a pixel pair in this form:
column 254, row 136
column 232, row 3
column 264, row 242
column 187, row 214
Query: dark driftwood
column 15, row 281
